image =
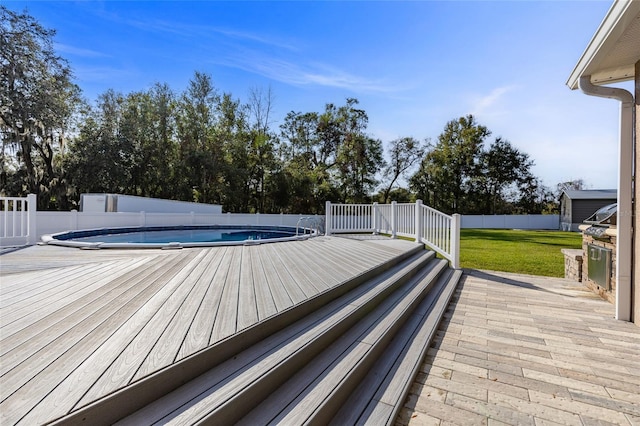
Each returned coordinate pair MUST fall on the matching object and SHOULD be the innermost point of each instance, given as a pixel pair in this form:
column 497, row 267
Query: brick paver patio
column 524, row 350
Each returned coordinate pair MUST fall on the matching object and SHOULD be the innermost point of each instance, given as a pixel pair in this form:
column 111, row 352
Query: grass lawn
column 523, row 252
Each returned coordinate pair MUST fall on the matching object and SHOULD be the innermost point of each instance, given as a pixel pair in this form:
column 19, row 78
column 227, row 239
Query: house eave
column 612, row 34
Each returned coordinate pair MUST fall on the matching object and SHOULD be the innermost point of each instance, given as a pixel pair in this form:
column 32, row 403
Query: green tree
column 99, row 159
column 460, row 175
column 38, row 102
column 329, row 156
column 446, row 172
column 232, row 134
column 263, row 163
column 501, row 167
column 201, row 156
column 404, row 153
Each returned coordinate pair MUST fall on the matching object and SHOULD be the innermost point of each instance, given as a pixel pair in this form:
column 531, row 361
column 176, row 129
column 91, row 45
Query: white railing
column 349, row 217
column 438, row 231
column 17, row 223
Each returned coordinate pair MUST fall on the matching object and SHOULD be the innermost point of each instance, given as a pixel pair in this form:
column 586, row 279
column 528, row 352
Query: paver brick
column 536, row 410
column 585, row 410
column 544, row 358
column 489, row 410
column 607, row 402
column 451, row 414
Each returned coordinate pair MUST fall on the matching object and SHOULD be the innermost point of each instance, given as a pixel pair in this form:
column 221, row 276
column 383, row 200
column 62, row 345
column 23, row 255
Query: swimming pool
column 174, row 236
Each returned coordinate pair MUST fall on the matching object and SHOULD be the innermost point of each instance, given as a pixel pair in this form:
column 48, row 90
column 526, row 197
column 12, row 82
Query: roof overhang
column 613, row 51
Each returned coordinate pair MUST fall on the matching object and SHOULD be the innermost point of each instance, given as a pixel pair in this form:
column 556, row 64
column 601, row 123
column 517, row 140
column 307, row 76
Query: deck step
column 269, row 349
column 379, row 397
column 222, row 395
column 318, row 391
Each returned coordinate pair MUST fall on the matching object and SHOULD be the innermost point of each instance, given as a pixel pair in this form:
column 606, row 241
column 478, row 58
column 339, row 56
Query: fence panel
column 406, row 220
column 349, row 218
column 17, row 220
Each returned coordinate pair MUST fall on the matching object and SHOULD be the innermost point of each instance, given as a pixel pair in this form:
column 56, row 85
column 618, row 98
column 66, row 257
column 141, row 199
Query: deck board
column 265, row 302
column 199, row 333
column 83, row 343
column 293, row 288
column 149, row 343
column 77, row 325
column 281, row 297
column 227, row 317
column 56, row 334
column 247, row 298
column 68, row 298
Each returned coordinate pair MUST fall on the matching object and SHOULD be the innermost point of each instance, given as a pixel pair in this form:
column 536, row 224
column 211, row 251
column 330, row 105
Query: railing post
column 394, row 219
column 374, row 218
column 32, row 226
column 418, row 221
column 327, row 218
column 455, row 241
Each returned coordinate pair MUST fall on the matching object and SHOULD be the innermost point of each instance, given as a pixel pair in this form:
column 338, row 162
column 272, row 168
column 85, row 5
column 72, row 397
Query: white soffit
column 614, row 49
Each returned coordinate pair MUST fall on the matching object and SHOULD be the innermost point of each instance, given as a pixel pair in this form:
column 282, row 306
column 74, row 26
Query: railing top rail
column 13, row 198
column 430, row 209
column 352, row 205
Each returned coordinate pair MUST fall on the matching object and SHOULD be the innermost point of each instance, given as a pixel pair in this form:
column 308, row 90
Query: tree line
column 207, row 146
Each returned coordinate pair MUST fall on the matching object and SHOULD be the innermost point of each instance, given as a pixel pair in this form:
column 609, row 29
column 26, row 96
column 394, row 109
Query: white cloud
column 317, row 74
column 490, row 104
column 77, row 51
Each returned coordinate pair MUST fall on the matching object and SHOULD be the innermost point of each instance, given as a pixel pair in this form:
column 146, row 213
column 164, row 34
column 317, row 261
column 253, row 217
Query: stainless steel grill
column 602, row 220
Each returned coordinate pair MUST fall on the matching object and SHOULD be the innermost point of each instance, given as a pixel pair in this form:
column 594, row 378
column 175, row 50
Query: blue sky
column 412, row 65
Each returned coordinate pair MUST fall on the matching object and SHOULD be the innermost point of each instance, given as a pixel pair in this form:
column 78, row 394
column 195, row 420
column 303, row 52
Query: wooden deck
column 77, row 325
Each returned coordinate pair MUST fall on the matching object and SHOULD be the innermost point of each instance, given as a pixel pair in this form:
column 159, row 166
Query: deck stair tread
column 379, row 397
column 231, row 382
column 312, row 395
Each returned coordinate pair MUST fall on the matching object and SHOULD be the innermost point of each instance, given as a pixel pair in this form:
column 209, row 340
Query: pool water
column 181, row 236
column 186, row 236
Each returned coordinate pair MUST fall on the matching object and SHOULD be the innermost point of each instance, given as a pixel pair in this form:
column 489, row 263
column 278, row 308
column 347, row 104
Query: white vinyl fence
column 437, row 230
column 18, row 220
column 515, row 221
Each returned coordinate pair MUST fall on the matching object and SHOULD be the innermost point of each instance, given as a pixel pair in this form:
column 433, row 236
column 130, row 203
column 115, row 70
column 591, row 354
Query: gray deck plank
column 200, row 396
column 55, row 334
column 14, row 288
column 27, row 295
column 150, row 349
column 76, row 370
column 247, row 298
column 227, row 317
column 265, row 302
column 281, row 298
column 338, row 260
column 204, row 394
column 166, row 349
column 309, row 389
column 65, row 298
column 295, row 256
column 199, row 333
column 209, row 394
column 293, row 288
